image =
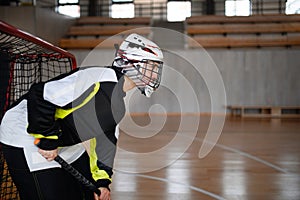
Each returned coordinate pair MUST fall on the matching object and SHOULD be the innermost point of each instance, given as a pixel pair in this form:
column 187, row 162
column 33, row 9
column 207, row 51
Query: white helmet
column 141, row 60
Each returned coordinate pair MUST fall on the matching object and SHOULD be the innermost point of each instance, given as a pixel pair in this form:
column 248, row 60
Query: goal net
column 24, row 60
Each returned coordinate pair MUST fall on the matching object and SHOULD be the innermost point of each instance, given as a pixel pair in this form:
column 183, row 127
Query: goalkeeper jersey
column 85, row 104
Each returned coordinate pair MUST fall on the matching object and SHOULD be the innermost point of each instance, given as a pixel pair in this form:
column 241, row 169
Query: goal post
column 24, row 60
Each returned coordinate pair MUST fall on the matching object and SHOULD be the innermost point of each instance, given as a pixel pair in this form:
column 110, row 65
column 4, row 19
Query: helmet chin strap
column 148, row 91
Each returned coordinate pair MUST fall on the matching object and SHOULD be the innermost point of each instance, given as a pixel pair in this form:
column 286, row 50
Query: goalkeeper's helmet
column 141, row 60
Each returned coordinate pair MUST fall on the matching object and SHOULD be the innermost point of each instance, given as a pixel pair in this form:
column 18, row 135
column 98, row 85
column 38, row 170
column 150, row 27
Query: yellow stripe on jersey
column 40, row 136
column 62, row 113
column 96, row 172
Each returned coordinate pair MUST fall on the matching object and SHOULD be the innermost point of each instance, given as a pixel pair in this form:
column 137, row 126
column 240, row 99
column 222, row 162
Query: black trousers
column 47, row 184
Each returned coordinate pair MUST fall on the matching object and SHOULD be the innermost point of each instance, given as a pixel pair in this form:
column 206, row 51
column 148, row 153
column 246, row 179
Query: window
column 69, row 7
column 292, row 7
column 178, row 10
column 237, row 7
column 122, row 9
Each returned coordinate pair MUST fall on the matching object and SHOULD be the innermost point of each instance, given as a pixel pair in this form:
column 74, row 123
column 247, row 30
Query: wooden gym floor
column 254, row 159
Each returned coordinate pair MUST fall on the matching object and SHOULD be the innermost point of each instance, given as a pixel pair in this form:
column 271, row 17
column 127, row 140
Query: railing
column 243, row 31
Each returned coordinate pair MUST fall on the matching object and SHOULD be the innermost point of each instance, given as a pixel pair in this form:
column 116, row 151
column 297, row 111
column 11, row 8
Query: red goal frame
column 27, row 60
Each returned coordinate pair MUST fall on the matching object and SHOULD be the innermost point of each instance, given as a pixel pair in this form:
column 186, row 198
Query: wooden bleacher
column 103, row 31
column 243, row 31
column 96, row 20
column 265, row 111
column 89, row 32
column 220, row 19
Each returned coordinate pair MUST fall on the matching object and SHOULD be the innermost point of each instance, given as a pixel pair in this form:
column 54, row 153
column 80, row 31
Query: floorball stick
column 75, row 173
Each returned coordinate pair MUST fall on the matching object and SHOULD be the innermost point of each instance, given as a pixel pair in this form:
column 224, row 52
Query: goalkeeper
column 85, row 104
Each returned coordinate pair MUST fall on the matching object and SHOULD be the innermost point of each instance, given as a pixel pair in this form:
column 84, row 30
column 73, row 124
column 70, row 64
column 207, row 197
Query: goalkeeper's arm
column 41, row 118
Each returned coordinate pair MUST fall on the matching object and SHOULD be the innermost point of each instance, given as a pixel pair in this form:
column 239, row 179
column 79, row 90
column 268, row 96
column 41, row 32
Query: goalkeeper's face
column 147, row 75
column 150, row 73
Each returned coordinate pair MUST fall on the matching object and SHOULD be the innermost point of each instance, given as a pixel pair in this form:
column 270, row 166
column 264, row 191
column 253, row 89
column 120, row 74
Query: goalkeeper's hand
column 105, row 194
column 48, row 154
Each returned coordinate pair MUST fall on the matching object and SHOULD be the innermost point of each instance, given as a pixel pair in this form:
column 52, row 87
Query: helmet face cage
column 141, row 60
column 146, row 74
column 149, row 72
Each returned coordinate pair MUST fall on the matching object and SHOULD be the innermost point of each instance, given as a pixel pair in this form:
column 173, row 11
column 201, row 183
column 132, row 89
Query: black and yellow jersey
column 85, row 104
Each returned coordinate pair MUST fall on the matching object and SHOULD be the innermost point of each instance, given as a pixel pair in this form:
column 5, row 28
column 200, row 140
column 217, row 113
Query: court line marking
column 215, row 196
column 242, row 153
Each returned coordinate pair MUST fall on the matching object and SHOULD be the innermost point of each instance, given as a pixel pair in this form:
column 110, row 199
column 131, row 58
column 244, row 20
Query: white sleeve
column 63, row 91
